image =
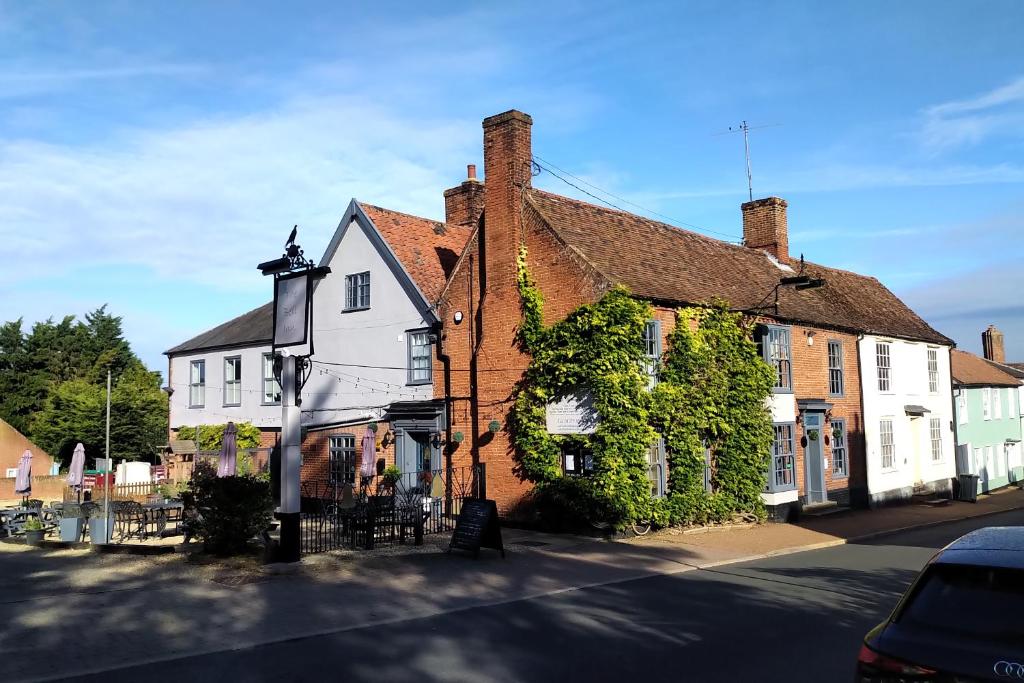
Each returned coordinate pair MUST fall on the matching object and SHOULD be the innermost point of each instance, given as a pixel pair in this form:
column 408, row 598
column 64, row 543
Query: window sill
column 196, row 407
column 836, row 476
column 777, row 390
column 420, row 382
column 232, row 405
column 276, row 403
column 355, row 310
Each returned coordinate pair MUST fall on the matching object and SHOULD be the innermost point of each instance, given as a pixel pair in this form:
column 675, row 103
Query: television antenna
column 745, row 128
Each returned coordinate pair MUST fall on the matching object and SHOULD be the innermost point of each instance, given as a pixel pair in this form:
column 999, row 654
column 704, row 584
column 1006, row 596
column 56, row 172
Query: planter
column 34, row 537
column 100, row 530
column 71, row 529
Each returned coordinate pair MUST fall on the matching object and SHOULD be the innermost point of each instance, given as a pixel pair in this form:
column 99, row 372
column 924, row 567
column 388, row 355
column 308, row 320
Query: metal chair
column 129, row 520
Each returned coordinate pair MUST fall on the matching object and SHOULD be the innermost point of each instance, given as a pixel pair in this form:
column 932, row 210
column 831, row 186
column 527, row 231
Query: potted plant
column 34, row 531
column 391, row 476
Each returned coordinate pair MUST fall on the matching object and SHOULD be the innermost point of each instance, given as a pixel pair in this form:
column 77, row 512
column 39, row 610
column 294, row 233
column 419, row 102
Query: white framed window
column 233, row 381
column 656, row 468
column 961, row 404
column 342, row 459
column 933, row 371
column 888, row 444
column 776, row 350
column 357, row 291
column 840, row 459
column 883, row 365
column 652, row 351
column 835, row 367
column 997, row 403
column 986, row 403
column 782, row 472
column 980, row 468
column 1010, row 407
column 271, row 387
column 197, row 384
column 935, row 432
column 420, row 365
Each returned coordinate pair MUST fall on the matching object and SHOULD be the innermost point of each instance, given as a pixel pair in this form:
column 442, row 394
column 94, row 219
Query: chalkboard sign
column 477, row 527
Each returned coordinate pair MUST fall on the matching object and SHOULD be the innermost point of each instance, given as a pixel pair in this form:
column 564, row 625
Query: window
column 357, row 291
column 840, row 459
column 652, row 351
column 835, row 367
column 961, row 404
column 656, row 468
column 197, row 384
column 419, row 357
column 888, row 446
column 577, row 459
column 986, row 404
column 933, row 371
column 233, row 381
column 997, row 403
column 271, row 387
column 782, row 476
column 342, row 463
column 776, row 350
column 883, row 365
column 935, row 430
column 1010, row 412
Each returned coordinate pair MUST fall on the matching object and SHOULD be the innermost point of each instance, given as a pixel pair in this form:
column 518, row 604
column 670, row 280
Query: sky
column 151, row 154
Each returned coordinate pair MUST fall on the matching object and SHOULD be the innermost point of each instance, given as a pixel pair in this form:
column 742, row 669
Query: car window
column 980, row 602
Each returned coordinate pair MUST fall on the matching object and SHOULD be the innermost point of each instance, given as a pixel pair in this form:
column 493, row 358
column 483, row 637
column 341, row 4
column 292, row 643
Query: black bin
column 968, row 488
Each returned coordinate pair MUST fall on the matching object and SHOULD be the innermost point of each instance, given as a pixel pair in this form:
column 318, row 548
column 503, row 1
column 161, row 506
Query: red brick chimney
column 507, row 172
column 764, row 226
column 992, row 344
column 464, row 204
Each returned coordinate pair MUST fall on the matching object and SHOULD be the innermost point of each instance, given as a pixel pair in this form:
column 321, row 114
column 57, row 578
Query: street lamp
column 798, row 282
column 294, row 276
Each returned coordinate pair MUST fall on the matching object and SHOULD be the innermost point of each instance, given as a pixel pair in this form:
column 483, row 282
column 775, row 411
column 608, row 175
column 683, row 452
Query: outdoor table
column 13, row 519
column 160, row 513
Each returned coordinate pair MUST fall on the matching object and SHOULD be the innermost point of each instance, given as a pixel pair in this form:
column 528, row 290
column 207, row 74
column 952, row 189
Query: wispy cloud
column 970, row 121
column 16, row 81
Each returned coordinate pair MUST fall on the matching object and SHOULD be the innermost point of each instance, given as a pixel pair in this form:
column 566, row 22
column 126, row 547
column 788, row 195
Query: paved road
column 794, row 618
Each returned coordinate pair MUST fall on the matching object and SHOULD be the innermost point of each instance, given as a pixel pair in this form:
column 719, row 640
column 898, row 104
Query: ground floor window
column 888, row 445
column 656, row 468
column 840, row 459
column 782, row 474
column 935, row 430
column 342, row 461
column 577, row 459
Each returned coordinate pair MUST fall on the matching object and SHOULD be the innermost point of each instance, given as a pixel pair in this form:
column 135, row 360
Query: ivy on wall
column 211, row 437
column 712, row 392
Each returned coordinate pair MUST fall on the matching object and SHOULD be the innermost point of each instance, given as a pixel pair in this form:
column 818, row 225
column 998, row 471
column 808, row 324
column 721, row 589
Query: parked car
column 961, row 621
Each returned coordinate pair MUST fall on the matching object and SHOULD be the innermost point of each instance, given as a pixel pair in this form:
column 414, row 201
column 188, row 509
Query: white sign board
column 290, row 313
column 574, row 414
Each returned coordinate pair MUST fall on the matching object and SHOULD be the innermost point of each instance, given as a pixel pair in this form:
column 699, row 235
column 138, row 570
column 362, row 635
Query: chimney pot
column 471, row 171
column 992, row 344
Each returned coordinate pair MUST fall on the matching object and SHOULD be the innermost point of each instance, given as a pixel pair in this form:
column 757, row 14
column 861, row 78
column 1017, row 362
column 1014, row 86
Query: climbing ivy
column 712, row 390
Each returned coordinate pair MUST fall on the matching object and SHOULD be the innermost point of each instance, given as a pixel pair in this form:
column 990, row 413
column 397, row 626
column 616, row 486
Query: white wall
column 909, row 386
column 372, row 337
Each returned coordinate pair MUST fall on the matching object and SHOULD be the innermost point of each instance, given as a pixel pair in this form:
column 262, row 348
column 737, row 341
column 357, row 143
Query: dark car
column 961, row 621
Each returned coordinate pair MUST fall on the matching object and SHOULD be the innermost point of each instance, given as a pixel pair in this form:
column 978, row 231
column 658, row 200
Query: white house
column 373, row 320
column 908, row 417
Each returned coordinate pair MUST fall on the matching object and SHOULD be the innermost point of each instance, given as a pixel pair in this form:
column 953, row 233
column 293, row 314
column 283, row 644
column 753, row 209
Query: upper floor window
column 652, row 350
column 271, row 387
column 233, row 381
column 840, row 459
column 935, row 432
column 933, row 371
column 835, row 367
column 1010, row 407
column 997, row 403
column 883, row 365
column 961, row 406
column 420, row 363
column 776, row 350
column 197, row 384
column 888, row 444
column 986, row 403
column 357, row 291
column 342, row 460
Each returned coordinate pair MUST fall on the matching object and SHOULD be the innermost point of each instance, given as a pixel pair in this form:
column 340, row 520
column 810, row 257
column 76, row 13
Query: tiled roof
column 254, row 327
column 1012, row 369
column 665, row 263
column 970, row 370
column 426, row 249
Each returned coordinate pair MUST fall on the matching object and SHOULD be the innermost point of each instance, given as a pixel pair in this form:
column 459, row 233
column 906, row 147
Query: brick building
column 813, row 318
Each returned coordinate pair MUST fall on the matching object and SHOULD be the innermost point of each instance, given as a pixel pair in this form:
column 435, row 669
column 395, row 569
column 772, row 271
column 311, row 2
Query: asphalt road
column 798, row 617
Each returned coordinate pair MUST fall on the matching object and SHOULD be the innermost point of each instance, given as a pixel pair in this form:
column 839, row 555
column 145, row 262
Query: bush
column 226, row 512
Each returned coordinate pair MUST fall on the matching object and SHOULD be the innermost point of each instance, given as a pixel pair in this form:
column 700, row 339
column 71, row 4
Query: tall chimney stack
column 464, row 204
column 764, row 226
column 507, row 173
column 992, row 344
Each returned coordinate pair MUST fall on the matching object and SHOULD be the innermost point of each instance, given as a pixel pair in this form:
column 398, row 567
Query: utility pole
column 110, row 467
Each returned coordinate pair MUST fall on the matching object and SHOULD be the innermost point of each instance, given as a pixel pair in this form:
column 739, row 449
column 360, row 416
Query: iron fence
column 377, row 510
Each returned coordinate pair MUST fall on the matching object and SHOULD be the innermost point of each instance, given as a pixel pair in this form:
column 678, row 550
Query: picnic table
column 159, row 514
column 12, row 519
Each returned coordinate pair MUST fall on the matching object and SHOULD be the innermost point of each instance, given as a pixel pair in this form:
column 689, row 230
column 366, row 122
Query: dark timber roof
column 254, row 327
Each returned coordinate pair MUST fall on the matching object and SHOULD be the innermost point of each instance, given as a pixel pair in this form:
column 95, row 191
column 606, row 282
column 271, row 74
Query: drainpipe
column 446, row 361
column 863, row 421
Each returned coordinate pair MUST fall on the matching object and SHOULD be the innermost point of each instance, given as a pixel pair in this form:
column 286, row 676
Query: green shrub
column 226, row 512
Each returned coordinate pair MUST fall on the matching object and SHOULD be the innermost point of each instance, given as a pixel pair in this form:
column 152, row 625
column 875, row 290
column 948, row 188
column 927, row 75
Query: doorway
column 814, row 463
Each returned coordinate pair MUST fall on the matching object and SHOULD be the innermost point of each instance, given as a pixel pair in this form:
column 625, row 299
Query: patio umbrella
column 77, row 469
column 369, row 448
column 23, row 481
column 228, row 452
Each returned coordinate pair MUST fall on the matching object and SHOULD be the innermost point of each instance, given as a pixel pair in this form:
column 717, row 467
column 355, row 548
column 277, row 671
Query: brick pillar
column 507, row 157
column 764, row 226
column 992, row 344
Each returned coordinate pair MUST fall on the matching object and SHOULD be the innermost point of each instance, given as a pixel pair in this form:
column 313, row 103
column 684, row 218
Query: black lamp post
column 294, row 276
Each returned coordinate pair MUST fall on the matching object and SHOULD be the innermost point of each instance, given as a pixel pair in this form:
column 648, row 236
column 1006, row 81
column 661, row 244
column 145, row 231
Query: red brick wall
column 316, row 448
column 47, row 489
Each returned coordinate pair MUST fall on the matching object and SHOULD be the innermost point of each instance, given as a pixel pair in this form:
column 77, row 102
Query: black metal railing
column 377, row 510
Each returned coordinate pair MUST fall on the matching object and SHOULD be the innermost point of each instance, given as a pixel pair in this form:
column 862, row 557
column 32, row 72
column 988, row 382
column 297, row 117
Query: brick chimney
column 992, row 344
column 764, row 226
column 507, row 157
column 464, row 204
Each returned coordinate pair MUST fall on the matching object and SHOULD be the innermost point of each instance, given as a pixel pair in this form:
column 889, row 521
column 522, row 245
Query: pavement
column 73, row 613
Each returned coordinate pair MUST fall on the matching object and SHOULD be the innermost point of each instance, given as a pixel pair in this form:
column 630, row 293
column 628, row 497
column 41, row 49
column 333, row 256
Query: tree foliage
column 53, row 387
column 211, row 437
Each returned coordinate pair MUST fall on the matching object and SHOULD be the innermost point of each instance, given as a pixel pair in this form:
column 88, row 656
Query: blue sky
column 152, row 153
